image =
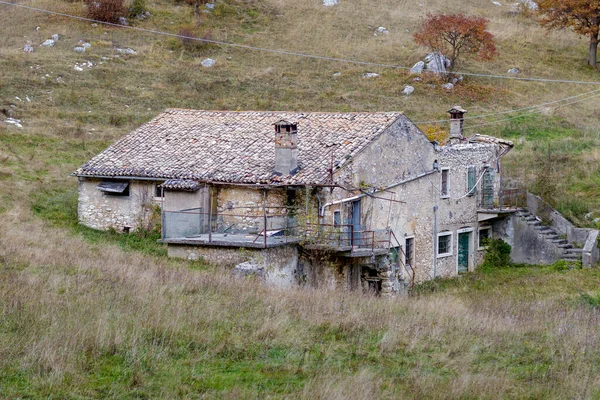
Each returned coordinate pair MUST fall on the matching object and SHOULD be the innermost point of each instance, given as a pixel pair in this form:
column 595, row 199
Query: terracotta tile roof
column 186, row 185
column 236, row 147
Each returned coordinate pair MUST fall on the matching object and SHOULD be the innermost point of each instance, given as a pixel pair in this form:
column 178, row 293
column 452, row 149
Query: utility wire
column 291, row 53
column 531, row 113
column 515, row 110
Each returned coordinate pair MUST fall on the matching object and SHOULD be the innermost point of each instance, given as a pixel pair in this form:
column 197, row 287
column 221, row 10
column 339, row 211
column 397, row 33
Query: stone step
column 531, row 218
column 534, row 223
column 523, row 214
column 551, row 237
column 571, row 257
column 548, row 232
column 575, row 251
column 541, row 228
column 560, row 241
column 566, row 246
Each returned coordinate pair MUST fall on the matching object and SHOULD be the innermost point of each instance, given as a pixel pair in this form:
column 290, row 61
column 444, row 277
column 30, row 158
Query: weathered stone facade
column 100, row 210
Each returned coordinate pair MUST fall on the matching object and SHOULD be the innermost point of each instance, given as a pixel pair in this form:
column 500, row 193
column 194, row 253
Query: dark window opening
column 444, row 189
column 409, row 251
column 158, row 191
column 114, row 188
column 444, row 244
column 337, row 218
column 484, row 235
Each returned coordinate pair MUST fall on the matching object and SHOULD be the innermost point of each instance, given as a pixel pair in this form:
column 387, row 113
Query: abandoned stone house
column 358, row 201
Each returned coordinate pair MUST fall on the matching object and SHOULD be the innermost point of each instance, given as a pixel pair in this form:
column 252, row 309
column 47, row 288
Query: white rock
column 208, row 62
column 48, row 43
column 514, row 71
column 86, row 45
column 28, row 48
column 437, row 63
column 55, row 37
column 28, row 99
column 368, row 75
column 337, row 74
column 79, row 49
column 329, row 3
column 530, row 4
column 128, row 50
column 123, row 21
column 408, row 90
column 381, row 29
column 15, row 122
column 417, row 79
column 210, row 6
column 496, row 3
column 77, row 68
column 417, row 69
column 37, row 28
column 448, row 86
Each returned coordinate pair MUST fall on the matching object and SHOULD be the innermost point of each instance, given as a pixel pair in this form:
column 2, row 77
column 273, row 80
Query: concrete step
column 570, row 257
column 575, row 251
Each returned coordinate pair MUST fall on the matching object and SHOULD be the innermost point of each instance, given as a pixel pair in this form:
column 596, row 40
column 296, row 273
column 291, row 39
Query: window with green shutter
column 471, row 180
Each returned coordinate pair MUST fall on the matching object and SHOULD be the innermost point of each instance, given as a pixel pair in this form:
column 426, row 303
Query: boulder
column 79, row 49
column 48, row 43
column 369, row 75
column 437, row 63
column 28, row 48
column 514, row 71
column 448, row 86
column 55, row 37
column 208, row 63
column 417, row 69
column 383, row 30
column 123, row 21
column 86, row 45
column 128, row 51
column 408, row 90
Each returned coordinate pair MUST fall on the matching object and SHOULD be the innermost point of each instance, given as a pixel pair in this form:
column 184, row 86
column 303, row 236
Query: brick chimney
column 286, row 150
column 457, row 115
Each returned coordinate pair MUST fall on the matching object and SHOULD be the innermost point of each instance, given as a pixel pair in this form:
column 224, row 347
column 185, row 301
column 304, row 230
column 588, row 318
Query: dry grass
column 80, row 317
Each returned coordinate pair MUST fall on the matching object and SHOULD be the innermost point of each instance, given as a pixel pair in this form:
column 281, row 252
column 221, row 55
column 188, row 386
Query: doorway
column 355, row 222
column 464, row 250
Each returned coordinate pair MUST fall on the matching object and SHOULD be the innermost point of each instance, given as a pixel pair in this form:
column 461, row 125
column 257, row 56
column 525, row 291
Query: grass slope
column 90, row 314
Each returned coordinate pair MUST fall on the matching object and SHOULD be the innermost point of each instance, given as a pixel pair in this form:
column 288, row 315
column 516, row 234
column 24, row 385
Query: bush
column 497, row 254
column 105, row 10
column 189, row 42
column 138, row 7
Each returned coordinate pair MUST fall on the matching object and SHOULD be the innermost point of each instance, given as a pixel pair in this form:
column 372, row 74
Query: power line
column 515, row 110
column 291, row 53
column 531, row 113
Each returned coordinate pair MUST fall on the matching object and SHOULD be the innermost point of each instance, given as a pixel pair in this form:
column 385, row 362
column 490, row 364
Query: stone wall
column 99, row 210
column 280, row 263
column 528, row 246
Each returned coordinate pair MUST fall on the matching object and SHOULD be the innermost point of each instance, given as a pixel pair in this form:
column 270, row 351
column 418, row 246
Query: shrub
column 189, row 42
column 138, row 7
column 497, row 253
column 105, row 10
column 591, row 300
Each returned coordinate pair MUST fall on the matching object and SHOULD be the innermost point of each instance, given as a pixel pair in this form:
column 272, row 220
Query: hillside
column 91, row 314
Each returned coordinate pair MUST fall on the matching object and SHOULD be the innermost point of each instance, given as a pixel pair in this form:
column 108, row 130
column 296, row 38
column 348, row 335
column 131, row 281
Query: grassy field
column 91, row 314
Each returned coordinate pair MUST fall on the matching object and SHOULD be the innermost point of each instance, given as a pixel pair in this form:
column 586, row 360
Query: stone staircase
column 569, row 252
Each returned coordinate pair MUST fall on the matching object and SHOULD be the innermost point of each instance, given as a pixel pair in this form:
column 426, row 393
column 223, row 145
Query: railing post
column 265, row 216
column 209, row 214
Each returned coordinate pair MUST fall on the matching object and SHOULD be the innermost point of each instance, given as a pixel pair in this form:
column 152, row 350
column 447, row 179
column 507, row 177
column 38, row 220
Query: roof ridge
column 287, row 111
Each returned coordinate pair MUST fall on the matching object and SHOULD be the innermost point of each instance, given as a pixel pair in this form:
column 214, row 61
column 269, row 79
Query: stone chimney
column 286, row 149
column 457, row 114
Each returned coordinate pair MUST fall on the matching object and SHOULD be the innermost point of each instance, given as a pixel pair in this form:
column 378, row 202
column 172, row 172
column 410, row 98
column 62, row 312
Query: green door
column 463, row 252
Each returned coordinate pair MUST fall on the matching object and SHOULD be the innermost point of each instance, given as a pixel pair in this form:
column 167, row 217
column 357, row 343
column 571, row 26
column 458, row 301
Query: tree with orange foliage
column 456, row 35
column 583, row 16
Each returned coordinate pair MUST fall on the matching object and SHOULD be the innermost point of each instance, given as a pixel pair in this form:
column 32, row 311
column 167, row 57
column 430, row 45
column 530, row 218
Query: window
column 471, row 181
column 485, row 232
column 444, row 244
column 114, row 188
column 409, row 254
column 158, row 191
column 337, row 218
column 445, row 184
